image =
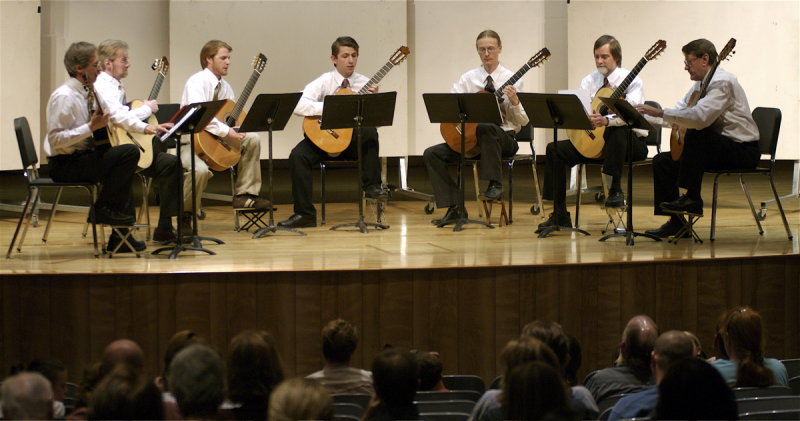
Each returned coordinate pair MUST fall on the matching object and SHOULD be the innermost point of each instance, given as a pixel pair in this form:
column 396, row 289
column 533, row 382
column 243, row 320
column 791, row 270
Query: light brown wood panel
column 167, row 317
column 371, row 337
column 608, row 320
column 442, row 332
column 145, row 318
column 38, row 317
column 277, row 310
column 507, row 322
column 240, row 299
column 308, row 315
column 102, row 320
column 397, row 306
column 476, row 321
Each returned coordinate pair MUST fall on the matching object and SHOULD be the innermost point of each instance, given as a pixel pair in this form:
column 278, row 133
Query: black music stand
column 190, row 119
column 270, row 112
column 633, row 120
column 556, row 111
column 357, row 112
column 461, row 109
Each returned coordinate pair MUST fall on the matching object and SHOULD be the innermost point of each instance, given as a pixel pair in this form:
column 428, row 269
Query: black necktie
column 489, row 85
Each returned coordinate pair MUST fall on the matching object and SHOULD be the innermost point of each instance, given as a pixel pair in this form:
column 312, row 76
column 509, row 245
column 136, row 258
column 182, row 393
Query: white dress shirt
column 474, row 80
column 200, row 88
column 314, row 93
column 111, row 95
column 724, row 107
column 634, row 94
column 67, row 120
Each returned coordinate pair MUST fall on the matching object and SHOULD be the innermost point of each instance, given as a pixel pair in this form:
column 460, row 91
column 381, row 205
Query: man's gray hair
column 197, row 379
column 27, row 396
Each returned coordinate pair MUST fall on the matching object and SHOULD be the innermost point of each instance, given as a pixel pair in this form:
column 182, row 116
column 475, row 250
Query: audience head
column 177, row 342
column 742, row 336
column 126, row 393
column 719, row 338
column 54, row 371
column 254, row 368
column 197, row 379
column 671, row 347
column 430, row 371
column 694, row 390
column 638, row 340
column 300, row 399
column 395, row 377
column 526, row 349
column 534, row 390
column 122, row 351
column 552, row 334
column 339, row 341
column 698, row 347
column 574, row 361
column 27, row 396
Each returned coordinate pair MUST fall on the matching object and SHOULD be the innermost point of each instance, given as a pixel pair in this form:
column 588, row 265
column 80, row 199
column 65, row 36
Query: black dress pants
column 167, row 170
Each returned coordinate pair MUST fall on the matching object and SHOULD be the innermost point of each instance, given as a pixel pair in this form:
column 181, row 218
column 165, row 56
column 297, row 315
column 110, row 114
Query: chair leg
column 581, row 168
column 714, row 207
column 477, row 189
column 31, row 195
column 233, row 196
column 780, row 206
column 322, row 171
column 510, row 192
column 750, row 202
column 92, row 201
column 52, row 214
column 144, row 210
column 536, row 186
column 37, row 199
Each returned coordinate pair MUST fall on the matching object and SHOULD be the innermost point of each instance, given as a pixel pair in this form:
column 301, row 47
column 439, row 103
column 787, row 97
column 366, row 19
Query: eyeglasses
column 484, row 50
column 689, row 62
column 123, row 60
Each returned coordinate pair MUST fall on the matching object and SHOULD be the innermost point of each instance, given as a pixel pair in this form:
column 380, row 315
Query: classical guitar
column 451, row 132
column 144, row 142
column 335, row 141
column 590, row 142
column 677, row 134
column 218, row 153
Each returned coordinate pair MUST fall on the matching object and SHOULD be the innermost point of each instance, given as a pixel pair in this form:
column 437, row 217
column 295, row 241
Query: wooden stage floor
column 410, row 242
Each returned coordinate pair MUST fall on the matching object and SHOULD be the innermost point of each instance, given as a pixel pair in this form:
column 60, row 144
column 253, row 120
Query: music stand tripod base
column 272, row 228
column 549, row 230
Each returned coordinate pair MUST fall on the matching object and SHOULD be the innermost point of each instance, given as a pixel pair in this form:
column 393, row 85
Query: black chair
column 496, row 383
column 652, row 139
column 27, row 152
column 464, row 382
column 794, row 384
column 768, row 121
column 324, row 166
column 360, row 399
column 751, row 392
column 792, row 367
column 451, row 395
column 436, row 407
column 768, row 403
column 608, row 402
column 790, row 414
column 443, row 416
column 345, row 408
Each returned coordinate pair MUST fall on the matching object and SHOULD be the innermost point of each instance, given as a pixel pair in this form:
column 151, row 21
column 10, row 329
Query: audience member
column 122, row 351
column 395, row 378
column 125, row 394
column 632, row 371
column 197, row 379
column 516, row 352
column 26, row 396
column 534, row 391
column 552, row 334
column 300, row 399
column 254, row 370
column 339, row 341
column 56, row 373
column 574, row 361
column 693, row 390
column 670, row 347
column 698, row 347
column 746, row 365
column 430, row 372
column 176, row 343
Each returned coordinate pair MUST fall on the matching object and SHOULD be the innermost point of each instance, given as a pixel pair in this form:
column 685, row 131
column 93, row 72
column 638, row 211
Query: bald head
column 671, row 347
column 123, row 351
column 27, row 396
column 638, row 340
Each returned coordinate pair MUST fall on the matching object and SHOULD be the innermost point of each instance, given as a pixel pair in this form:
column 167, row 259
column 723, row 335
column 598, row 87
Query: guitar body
column 678, row 133
column 452, row 136
column 144, row 142
column 590, row 143
column 217, row 153
column 331, row 141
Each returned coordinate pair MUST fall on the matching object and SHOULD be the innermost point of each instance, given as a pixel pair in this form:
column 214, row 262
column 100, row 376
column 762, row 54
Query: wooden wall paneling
column 587, row 331
column 350, row 306
column 217, row 308
column 71, row 335
column 443, row 320
column 308, row 313
column 145, row 320
column 675, row 306
column 791, row 300
column 769, row 302
column 241, row 302
column 102, row 314
column 507, row 321
column 422, row 313
column 570, row 297
column 638, row 291
column 546, row 283
column 371, row 326
column 476, row 322
column 37, row 319
column 167, row 318
column 192, row 306
column 608, row 321
column 123, row 308
column 396, row 308
column 277, row 313
column 714, row 292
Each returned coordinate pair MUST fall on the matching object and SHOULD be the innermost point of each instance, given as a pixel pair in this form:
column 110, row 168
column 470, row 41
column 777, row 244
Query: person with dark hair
column 721, row 134
column 574, row 361
column 746, row 365
column 395, row 377
column 692, row 390
column 609, row 74
column 494, row 142
column 631, row 372
column 534, row 391
column 339, row 342
column 307, row 155
column 176, row 343
column 430, row 372
column 125, row 394
column 670, row 347
column 26, row 396
column 254, row 370
column 300, row 399
column 122, row 351
column 197, row 379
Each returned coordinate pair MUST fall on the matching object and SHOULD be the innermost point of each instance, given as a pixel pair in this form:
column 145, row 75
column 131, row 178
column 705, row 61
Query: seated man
column 339, row 341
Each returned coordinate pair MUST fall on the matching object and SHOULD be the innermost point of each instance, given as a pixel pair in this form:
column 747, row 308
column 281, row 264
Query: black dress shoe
column 299, row 221
column 108, row 216
column 684, row 204
column 615, row 200
column 561, row 219
column 114, row 240
column 376, row 191
column 493, row 192
column 669, row 229
column 162, row 235
column 453, row 214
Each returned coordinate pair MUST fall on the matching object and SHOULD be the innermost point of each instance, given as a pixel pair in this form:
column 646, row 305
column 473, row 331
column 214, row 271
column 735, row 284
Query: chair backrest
column 750, row 392
column 609, row 402
column 794, row 384
column 344, row 408
column 768, row 403
column 496, row 383
column 452, row 395
column 605, row 414
column 464, row 382
column 654, row 137
column 443, row 416
column 27, row 150
column 772, row 415
column 768, row 121
column 360, row 399
column 792, row 367
column 431, row 407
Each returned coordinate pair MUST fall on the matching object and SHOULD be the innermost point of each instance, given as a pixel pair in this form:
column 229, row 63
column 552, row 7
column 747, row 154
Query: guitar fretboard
column 632, row 75
column 156, row 87
column 377, row 78
column 248, row 88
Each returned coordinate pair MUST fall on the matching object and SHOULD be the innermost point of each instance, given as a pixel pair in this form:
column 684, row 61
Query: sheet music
column 583, row 95
column 178, row 124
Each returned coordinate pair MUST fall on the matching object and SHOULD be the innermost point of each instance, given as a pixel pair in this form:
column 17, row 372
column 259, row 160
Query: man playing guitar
column 608, row 59
column 208, row 85
column 306, row 155
column 113, row 56
column 721, row 134
column 495, row 142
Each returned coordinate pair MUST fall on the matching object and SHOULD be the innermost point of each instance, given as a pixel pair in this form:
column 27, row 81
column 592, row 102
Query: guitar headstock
column 656, row 50
column 399, row 55
column 727, row 50
column 539, row 57
column 259, row 62
column 161, row 65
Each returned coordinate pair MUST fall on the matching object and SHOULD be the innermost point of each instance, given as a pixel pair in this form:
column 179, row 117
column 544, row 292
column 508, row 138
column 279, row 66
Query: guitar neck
column 156, row 87
column 631, row 76
column 707, row 80
column 248, row 88
column 513, row 79
column 377, row 78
